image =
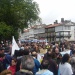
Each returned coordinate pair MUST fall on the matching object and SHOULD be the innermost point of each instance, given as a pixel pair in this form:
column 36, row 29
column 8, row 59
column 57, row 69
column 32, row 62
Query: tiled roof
column 52, row 25
column 37, row 26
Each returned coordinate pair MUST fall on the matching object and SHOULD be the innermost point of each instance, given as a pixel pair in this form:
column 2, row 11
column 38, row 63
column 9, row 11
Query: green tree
column 18, row 14
column 5, row 31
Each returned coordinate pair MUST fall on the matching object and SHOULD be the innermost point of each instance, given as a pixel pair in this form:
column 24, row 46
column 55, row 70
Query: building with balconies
column 60, row 31
column 65, row 31
column 53, row 32
column 38, row 31
column 50, row 31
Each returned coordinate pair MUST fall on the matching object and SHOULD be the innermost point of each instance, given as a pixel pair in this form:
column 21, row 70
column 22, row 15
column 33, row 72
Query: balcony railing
column 59, row 36
column 63, row 35
column 49, row 30
column 51, row 36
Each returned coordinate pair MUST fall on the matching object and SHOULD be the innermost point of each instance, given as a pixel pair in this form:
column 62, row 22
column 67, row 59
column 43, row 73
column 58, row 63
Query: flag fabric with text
column 14, row 46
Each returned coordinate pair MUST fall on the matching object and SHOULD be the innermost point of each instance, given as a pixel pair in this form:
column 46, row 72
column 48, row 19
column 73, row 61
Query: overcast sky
column 50, row 10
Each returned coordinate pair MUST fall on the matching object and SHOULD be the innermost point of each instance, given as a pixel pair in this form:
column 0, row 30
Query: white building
column 25, row 35
column 60, row 31
column 53, row 32
column 65, row 31
column 33, row 32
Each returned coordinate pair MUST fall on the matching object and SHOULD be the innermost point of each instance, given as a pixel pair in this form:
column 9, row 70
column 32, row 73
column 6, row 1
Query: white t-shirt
column 65, row 69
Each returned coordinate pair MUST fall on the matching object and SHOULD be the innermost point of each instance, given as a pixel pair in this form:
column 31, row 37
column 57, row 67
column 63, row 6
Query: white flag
column 14, row 46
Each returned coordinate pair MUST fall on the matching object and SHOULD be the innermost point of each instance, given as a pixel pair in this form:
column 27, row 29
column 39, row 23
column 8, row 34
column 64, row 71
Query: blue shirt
column 44, row 72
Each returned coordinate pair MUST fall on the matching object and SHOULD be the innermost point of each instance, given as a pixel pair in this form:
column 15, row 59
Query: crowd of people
column 38, row 59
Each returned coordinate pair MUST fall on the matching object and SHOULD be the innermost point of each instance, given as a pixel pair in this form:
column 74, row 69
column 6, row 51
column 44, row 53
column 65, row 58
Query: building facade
column 65, row 30
column 50, row 32
column 61, row 31
column 35, row 32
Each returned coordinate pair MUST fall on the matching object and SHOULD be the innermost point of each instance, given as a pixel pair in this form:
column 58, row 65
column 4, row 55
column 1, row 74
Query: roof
column 39, row 26
column 64, row 23
column 52, row 25
column 26, row 30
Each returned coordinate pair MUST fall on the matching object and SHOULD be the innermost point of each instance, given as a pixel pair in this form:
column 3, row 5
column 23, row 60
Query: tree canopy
column 18, row 14
column 5, row 31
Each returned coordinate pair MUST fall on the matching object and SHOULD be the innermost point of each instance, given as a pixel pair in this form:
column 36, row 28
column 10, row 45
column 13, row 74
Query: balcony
column 57, row 36
column 50, row 30
column 67, row 35
column 63, row 35
column 46, row 30
column 51, row 36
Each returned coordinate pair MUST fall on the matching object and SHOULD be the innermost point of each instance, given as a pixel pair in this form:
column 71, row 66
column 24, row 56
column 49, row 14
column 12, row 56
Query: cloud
column 56, row 9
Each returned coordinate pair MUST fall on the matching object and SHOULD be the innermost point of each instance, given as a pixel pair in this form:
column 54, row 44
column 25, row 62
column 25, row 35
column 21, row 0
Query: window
column 66, row 27
column 69, row 27
column 48, row 34
column 57, row 33
column 46, row 30
column 66, row 33
column 61, row 33
column 49, row 29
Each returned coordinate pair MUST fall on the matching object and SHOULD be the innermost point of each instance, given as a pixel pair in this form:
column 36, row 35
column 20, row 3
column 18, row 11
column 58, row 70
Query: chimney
column 62, row 20
column 56, row 22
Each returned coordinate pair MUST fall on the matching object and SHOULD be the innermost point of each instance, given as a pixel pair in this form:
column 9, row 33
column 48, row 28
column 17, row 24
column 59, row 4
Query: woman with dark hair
column 44, row 67
column 56, row 51
column 12, row 67
column 52, row 63
column 73, row 62
column 65, row 68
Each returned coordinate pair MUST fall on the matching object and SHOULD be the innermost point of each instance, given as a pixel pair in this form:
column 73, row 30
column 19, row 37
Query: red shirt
column 12, row 69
